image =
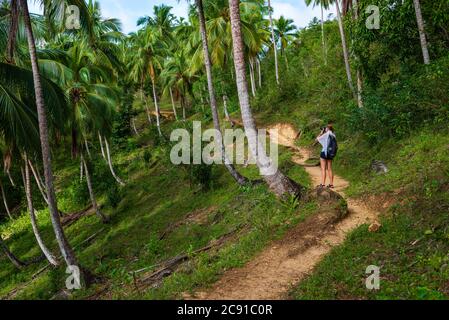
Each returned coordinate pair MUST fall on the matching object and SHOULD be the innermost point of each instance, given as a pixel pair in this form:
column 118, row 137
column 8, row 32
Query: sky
column 128, row 11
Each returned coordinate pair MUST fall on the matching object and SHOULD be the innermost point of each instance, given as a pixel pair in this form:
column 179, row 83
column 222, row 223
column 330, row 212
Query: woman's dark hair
column 330, row 127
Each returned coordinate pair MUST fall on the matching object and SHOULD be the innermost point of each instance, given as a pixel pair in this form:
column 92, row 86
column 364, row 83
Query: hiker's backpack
column 332, row 147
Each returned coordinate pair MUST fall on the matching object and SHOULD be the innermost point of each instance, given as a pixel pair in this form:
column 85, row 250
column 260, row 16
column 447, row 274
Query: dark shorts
column 324, row 157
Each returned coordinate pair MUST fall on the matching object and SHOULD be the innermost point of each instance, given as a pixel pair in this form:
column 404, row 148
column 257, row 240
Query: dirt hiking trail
column 285, row 262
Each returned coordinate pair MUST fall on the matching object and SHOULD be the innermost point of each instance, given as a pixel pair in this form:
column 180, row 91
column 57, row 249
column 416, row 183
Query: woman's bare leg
column 323, row 171
column 330, row 172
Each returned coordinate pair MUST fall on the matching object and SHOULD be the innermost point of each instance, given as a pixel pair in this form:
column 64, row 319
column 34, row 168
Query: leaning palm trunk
column 4, row 201
column 213, row 102
column 108, row 153
column 8, row 173
column 93, row 199
column 345, row 49
column 29, row 195
column 101, row 145
column 422, row 32
column 273, row 40
column 15, row 261
column 38, row 182
column 276, row 180
column 87, row 148
column 64, row 246
column 173, row 104
column 156, row 105
column 259, row 72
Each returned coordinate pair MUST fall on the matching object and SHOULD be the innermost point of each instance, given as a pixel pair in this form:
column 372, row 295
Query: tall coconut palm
column 345, row 48
column 276, row 180
column 359, row 72
column 177, row 74
column 284, row 31
column 64, row 246
column 213, row 102
column 273, row 40
column 145, row 59
column 324, row 5
column 422, row 32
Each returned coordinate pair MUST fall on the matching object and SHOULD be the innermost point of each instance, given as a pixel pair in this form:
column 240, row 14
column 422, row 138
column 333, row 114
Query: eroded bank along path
column 285, row 262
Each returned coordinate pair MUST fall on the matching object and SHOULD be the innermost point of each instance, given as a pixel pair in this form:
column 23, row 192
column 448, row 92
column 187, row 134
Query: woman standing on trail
column 328, row 140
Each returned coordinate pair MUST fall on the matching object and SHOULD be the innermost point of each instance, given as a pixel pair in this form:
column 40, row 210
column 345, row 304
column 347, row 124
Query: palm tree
column 276, row 180
column 64, row 246
column 144, row 60
column 273, row 40
column 345, row 48
column 285, row 32
column 422, row 32
column 177, row 74
column 359, row 72
column 324, row 4
column 213, row 102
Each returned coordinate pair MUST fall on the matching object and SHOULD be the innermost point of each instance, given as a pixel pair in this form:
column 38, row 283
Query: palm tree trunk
column 4, row 201
column 29, row 195
column 74, row 143
column 101, row 145
column 64, row 246
column 87, row 148
column 422, row 31
column 12, row 36
column 111, row 168
column 323, row 41
column 156, row 105
column 93, row 199
column 173, row 104
column 225, row 107
column 241, row 180
column 8, row 173
column 259, row 72
column 183, row 105
column 15, row 261
column 133, row 122
column 276, row 180
column 38, row 182
column 359, row 72
column 252, row 78
column 345, row 49
column 147, row 109
column 273, row 40
column 81, row 170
